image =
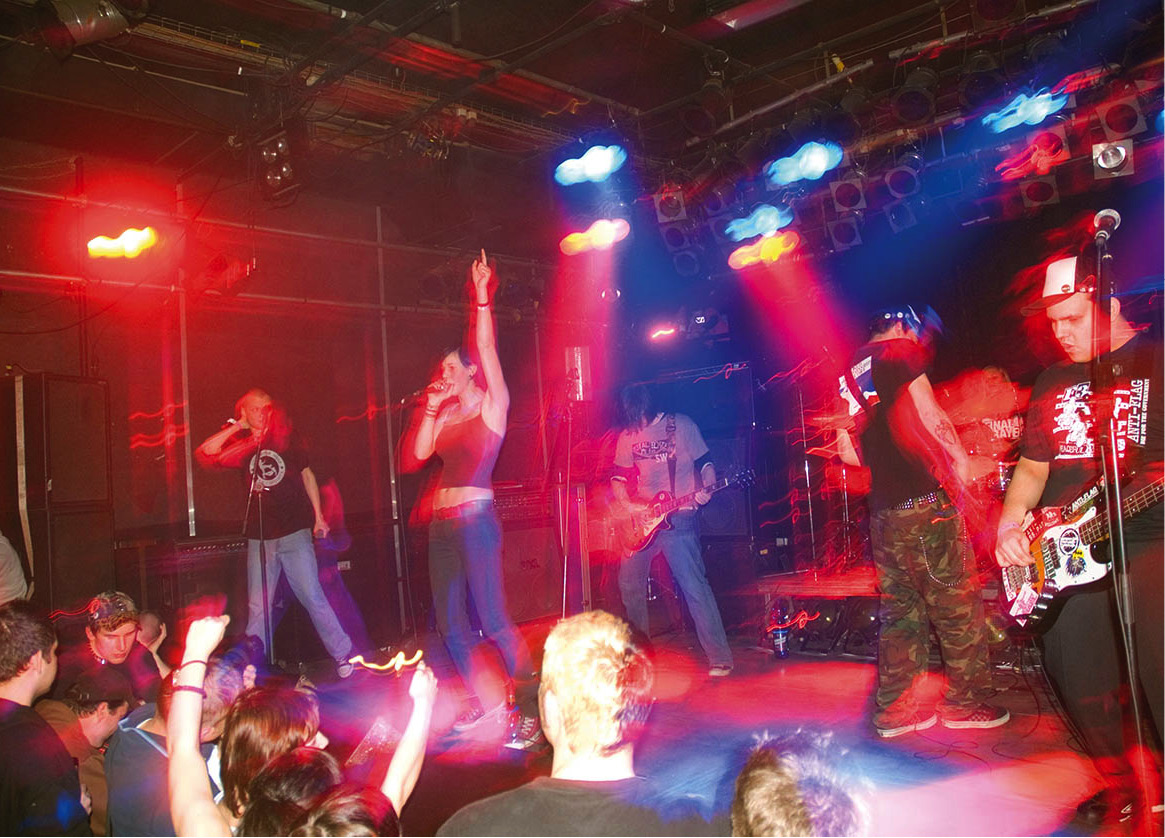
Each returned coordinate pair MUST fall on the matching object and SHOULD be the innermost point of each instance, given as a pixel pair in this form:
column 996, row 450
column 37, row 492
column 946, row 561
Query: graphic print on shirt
column 272, row 468
column 863, row 375
column 656, row 450
column 1074, row 420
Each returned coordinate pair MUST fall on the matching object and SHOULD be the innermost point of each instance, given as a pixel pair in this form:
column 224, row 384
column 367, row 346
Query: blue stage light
column 1026, row 110
column 598, row 164
column 765, row 220
column 810, row 162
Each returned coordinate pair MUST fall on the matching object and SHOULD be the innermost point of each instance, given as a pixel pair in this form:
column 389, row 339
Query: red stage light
column 767, row 251
column 602, row 235
column 128, row 245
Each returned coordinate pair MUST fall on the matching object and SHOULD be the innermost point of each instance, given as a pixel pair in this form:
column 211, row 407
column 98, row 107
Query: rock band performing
column 622, row 417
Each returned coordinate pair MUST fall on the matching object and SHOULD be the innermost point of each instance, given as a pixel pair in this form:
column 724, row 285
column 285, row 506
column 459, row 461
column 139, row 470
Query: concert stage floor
column 1022, row 779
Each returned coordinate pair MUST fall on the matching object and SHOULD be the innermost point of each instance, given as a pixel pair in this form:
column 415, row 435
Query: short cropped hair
column 262, row 724
column 800, row 784
column 350, row 810
column 24, row 631
column 97, row 686
column 110, row 610
column 223, row 683
column 150, row 625
column 602, row 681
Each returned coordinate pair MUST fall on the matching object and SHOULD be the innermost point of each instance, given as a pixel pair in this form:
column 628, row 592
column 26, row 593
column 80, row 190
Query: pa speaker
column 533, row 572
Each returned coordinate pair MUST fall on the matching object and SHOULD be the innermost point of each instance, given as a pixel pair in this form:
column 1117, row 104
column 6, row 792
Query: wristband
column 483, row 305
column 431, row 411
column 1004, row 527
column 188, row 663
column 183, row 688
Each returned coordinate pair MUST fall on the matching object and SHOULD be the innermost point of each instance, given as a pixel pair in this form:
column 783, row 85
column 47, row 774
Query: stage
column 1024, row 778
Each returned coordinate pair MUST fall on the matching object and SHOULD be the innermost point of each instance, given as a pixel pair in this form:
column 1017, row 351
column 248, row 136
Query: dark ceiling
column 380, row 96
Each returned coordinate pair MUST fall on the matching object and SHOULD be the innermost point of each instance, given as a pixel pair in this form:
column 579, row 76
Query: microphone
column 417, row 395
column 228, row 423
column 1105, row 222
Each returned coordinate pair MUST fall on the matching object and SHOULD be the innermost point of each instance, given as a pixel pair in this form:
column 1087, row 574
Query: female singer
column 463, row 423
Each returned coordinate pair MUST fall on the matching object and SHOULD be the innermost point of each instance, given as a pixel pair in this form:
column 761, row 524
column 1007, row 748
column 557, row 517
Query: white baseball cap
column 1062, row 279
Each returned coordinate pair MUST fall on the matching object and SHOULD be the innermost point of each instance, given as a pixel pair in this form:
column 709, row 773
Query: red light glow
column 766, row 251
column 663, row 332
column 602, row 235
column 129, row 245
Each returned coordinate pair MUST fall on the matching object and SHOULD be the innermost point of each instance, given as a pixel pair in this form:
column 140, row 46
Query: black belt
column 921, row 500
column 463, row 510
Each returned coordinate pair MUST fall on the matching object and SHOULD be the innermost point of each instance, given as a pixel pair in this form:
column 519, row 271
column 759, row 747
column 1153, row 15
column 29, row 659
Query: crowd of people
column 207, row 751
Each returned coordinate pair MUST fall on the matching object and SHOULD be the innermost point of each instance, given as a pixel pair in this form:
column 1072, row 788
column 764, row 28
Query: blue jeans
column 681, row 547
column 465, row 555
column 294, row 555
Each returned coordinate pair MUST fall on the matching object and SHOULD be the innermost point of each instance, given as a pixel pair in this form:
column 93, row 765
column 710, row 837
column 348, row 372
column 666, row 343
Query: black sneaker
column 919, row 721
column 980, row 718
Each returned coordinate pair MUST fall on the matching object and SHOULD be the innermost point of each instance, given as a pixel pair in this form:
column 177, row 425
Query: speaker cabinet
column 533, row 572
column 728, row 513
column 55, row 452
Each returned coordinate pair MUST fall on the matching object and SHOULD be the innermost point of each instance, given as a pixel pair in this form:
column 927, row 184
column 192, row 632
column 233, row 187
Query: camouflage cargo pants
column 927, row 575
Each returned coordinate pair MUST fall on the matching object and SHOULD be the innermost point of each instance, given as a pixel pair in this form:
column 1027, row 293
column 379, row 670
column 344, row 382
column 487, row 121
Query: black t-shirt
column 883, row 370
column 548, row 806
column 1062, row 426
column 286, row 507
column 139, row 668
column 40, row 791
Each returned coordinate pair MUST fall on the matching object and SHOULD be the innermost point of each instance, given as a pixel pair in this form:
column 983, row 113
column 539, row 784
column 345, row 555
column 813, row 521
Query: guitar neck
column 675, row 504
column 1140, row 500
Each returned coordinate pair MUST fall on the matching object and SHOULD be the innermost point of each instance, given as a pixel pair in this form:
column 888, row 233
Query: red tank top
column 468, row 451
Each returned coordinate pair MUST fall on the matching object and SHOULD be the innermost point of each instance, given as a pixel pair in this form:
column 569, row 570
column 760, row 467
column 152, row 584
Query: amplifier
column 524, row 505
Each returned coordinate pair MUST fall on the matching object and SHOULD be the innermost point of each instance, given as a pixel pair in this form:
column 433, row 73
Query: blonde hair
column 600, row 679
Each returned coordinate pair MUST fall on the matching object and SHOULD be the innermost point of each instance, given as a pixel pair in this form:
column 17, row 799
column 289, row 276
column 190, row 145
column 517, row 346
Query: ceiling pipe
column 554, row 84
column 772, row 106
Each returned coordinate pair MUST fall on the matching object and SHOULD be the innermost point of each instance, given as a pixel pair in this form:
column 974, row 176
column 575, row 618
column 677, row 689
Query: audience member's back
column 594, row 700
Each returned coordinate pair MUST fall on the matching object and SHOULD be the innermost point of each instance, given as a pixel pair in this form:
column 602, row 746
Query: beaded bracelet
column 183, row 688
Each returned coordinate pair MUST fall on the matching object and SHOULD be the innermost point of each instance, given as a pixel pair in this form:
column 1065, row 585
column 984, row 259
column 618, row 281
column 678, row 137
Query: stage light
column 1040, row 191
column 68, row 24
column 1111, row 160
column 804, row 124
column 669, row 204
column 849, row 192
column 1121, row 118
column 990, row 14
column 278, row 177
column 663, row 332
column 709, row 110
column 610, row 295
column 1026, row 110
column 601, row 235
column 900, row 215
column 981, row 82
column 128, row 245
column 766, row 251
column 843, row 124
column 844, row 232
column 903, row 180
column 914, row 102
column 809, row 162
column 764, row 220
column 595, row 166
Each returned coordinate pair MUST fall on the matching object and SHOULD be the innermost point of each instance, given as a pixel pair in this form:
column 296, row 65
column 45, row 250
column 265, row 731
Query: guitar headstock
column 745, row 478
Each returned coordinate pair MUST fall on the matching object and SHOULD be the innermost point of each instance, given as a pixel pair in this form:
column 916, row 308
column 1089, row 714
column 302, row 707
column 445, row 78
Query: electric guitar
column 1063, row 542
column 639, row 530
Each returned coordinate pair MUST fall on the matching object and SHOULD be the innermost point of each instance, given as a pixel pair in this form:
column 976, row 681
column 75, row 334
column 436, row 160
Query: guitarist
column 1059, row 458
column 667, row 453
column 926, row 570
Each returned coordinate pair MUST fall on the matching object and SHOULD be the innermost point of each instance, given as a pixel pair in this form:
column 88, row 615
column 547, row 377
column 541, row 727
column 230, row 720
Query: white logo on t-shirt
column 271, row 468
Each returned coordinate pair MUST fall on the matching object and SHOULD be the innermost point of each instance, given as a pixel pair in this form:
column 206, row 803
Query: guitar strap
column 671, row 451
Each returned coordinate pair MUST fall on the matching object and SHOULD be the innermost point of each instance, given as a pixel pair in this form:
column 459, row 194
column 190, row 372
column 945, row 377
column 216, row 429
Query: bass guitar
column 1064, row 541
column 639, row 530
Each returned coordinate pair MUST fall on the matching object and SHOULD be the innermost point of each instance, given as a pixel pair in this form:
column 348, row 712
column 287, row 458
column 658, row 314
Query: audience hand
column 204, row 636
column 423, row 687
column 86, row 800
column 156, row 644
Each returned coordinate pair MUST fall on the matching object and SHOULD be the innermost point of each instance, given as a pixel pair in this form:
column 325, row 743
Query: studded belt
column 921, row 500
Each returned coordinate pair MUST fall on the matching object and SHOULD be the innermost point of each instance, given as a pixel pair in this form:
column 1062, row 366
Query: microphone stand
column 1104, row 380
column 255, row 493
